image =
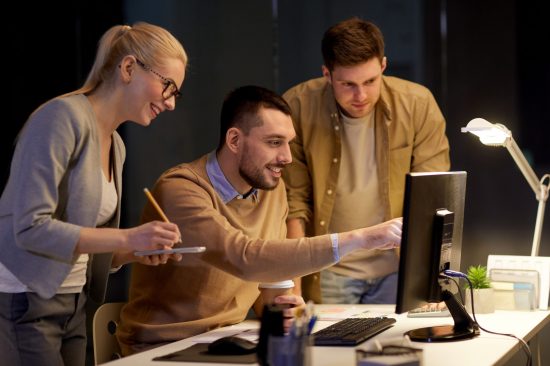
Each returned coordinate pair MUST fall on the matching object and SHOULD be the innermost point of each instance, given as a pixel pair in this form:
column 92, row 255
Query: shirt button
column 322, row 222
column 329, row 191
column 336, row 128
column 335, row 160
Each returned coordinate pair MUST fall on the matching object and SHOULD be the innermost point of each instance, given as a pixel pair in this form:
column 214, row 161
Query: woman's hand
column 152, row 235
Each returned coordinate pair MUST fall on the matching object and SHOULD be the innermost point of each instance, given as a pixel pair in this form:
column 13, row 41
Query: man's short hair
column 242, row 105
column 352, row 42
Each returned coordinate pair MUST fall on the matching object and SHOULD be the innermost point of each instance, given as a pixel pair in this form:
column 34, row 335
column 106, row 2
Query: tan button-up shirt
column 409, row 136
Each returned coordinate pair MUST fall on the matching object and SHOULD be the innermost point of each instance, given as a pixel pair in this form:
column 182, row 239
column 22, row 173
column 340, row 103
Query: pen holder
column 277, row 349
column 272, row 325
column 289, row 350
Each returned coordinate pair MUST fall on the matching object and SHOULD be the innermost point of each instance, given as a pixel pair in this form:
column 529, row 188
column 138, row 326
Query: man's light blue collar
column 221, row 184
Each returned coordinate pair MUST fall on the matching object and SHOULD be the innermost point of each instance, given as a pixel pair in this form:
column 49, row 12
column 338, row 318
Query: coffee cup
column 269, row 291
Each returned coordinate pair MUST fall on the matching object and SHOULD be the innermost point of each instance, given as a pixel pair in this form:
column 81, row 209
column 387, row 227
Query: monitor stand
column 463, row 328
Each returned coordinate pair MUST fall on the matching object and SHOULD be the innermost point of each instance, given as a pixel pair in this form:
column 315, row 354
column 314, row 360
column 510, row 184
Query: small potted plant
column 483, row 292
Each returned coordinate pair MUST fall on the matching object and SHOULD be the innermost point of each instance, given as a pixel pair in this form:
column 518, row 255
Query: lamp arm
column 538, row 227
column 523, row 165
column 542, row 197
column 540, row 189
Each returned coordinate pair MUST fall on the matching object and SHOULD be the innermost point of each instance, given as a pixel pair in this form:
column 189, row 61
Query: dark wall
column 48, row 56
column 493, row 49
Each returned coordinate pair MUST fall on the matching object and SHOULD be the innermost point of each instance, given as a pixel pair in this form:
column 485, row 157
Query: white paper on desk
column 336, row 312
column 249, row 334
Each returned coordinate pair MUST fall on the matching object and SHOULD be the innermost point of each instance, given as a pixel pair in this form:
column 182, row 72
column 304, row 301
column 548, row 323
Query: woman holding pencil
column 60, row 210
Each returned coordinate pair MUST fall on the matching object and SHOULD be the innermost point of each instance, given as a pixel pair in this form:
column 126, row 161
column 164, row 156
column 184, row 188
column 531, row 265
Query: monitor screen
column 433, row 214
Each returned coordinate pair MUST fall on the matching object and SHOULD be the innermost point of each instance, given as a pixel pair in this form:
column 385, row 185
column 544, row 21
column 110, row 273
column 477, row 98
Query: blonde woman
column 60, row 210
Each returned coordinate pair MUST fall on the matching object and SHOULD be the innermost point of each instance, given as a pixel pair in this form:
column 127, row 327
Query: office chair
column 105, row 322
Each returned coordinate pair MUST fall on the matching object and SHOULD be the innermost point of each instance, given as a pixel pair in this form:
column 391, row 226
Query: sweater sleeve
column 191, row 205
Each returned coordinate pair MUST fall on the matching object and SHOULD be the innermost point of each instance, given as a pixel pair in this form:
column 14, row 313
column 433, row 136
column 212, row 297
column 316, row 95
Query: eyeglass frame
column 167, row 82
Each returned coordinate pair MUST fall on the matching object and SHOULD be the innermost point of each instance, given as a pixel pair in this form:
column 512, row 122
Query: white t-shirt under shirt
column 357, row 202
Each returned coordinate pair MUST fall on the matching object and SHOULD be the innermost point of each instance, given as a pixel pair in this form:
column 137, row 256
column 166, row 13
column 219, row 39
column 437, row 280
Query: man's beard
column 254, row 176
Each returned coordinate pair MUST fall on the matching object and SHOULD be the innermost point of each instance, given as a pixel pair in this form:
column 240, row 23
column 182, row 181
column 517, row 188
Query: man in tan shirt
column 233, row 202
column 358, row 134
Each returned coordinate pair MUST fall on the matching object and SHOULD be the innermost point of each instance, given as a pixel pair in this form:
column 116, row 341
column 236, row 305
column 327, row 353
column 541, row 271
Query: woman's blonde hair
column 149, row 43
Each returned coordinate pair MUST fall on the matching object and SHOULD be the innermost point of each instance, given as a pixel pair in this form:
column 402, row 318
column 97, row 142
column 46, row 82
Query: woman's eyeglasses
column 170, row 88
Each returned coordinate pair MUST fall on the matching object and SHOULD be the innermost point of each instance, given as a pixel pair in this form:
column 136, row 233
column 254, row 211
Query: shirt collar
column 220, row 183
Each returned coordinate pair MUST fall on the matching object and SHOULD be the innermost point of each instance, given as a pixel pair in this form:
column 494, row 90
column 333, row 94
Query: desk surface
column 486, row 349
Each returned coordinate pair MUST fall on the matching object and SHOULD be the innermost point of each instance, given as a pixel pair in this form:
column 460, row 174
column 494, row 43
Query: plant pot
column 484, row 301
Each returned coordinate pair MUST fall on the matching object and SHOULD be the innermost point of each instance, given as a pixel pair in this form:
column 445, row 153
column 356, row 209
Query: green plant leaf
column 478, row 277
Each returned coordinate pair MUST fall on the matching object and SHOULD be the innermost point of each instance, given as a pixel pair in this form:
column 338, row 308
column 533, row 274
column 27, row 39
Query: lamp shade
column 489, row 133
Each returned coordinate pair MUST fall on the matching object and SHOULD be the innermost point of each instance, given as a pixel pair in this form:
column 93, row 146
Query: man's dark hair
column 352, row 42
column 241, row 106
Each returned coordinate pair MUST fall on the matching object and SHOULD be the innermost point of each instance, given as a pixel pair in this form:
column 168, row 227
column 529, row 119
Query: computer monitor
column 433, row 214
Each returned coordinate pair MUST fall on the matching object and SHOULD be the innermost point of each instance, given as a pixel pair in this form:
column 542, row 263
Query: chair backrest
column 105, row 322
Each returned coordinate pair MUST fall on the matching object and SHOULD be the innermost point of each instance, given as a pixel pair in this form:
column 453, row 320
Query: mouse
column 231, row 345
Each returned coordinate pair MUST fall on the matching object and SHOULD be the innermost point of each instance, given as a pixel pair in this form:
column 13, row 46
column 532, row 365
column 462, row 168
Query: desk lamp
column 498, row 135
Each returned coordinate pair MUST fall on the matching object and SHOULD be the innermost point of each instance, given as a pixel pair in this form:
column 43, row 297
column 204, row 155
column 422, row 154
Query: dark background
column 479, row 58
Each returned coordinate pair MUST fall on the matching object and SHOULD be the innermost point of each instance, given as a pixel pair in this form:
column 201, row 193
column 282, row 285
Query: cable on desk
column 447, row 278
column 525, row 346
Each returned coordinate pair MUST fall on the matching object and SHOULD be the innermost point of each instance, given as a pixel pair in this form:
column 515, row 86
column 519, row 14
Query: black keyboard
column 352, row 331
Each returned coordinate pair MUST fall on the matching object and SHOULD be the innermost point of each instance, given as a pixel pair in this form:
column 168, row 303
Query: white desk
column 486, row 349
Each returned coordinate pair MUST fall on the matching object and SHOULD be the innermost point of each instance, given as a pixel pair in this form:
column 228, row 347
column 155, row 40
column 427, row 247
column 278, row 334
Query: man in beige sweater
column 233, row 202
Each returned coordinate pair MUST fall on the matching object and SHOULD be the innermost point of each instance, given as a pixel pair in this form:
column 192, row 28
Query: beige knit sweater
column 245, row 241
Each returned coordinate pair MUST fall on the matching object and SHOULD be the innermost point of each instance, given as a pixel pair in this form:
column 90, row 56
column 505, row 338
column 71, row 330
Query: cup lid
column 280, row 284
